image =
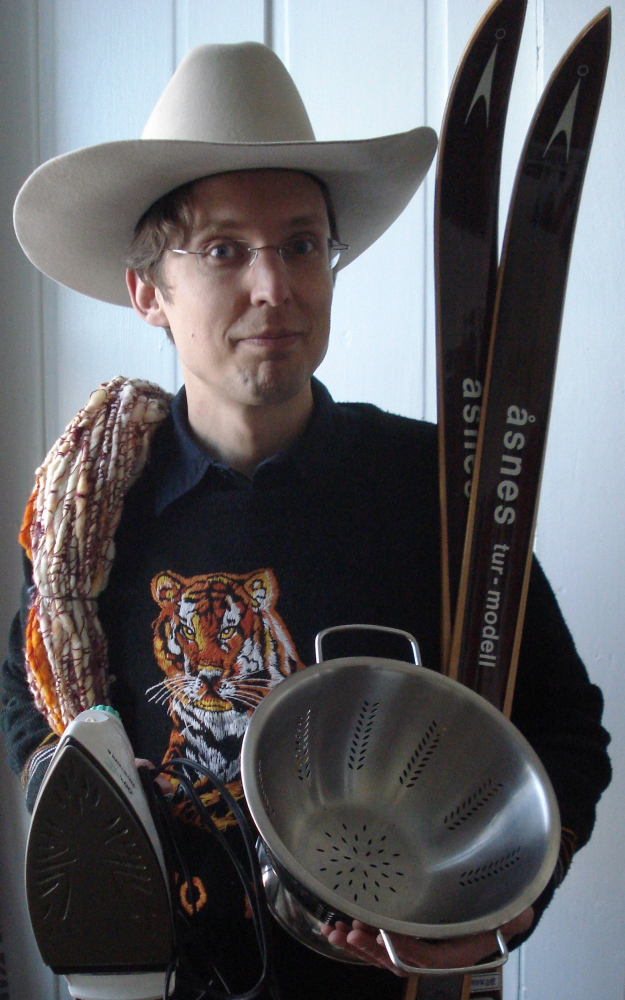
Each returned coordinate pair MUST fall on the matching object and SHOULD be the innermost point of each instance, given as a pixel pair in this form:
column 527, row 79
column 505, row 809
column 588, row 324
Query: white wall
column 75, row 72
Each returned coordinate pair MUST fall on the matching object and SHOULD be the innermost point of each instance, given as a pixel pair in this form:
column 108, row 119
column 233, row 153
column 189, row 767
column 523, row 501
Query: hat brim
column 76, row 214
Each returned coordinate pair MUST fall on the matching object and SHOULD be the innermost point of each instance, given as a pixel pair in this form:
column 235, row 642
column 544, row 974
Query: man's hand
column 163, row 782
column 453, row 953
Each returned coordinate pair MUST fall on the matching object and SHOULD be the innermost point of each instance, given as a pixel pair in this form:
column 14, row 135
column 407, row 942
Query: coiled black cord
column 180, row 768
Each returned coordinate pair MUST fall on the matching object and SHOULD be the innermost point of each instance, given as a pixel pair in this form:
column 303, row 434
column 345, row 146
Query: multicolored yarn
column 68, row 531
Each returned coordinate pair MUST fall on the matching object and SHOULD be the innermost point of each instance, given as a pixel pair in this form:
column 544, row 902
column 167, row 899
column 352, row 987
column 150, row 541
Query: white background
column 76, row 72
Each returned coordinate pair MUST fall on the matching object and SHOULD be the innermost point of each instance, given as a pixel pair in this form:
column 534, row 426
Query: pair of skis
column 498, row 328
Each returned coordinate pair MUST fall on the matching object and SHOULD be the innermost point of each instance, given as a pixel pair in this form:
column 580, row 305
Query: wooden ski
column 516, row 399
column 519, row 382
column 521, row 370
column 466, row 253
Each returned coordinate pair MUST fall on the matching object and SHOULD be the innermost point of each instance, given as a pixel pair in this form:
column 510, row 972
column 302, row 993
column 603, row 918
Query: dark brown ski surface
column 521, row 364
column 521, row 369
column 466, row 251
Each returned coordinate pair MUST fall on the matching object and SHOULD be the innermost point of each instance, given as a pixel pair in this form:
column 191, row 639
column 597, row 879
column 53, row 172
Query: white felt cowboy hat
column 227, row 107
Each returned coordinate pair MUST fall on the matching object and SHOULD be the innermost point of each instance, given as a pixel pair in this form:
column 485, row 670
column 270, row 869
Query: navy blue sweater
column 218, row 589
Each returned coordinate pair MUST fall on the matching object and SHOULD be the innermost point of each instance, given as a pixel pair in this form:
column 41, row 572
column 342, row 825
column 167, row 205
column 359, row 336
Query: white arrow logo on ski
column 484, row 86
column 565, row 122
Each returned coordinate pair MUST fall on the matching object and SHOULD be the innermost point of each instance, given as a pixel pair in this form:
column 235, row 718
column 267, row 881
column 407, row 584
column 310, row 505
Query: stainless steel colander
column 388, row 793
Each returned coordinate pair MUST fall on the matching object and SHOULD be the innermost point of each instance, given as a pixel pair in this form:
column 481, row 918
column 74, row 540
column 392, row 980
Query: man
column 265, row 512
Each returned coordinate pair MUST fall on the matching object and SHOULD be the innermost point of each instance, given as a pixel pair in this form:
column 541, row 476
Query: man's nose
column 268, row 277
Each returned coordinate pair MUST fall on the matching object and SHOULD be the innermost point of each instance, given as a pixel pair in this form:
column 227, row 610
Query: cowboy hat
column 227, row 107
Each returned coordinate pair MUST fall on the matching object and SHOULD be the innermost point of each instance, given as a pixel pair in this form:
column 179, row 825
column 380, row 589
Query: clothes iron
column 96, row 881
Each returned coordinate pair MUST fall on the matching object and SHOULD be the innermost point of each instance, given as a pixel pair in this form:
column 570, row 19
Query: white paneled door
column 77, row 72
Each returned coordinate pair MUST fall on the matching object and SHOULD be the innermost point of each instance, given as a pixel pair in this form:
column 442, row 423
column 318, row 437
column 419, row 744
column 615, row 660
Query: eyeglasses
column 299, row 254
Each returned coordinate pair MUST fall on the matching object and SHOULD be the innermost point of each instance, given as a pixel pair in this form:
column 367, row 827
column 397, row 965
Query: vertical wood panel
column 21, row 444
column 580, row 953
column 360, row 77
column 98, row 85
column 200, row 22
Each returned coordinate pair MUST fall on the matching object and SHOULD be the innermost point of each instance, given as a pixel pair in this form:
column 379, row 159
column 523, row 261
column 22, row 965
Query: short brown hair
column 168, row 223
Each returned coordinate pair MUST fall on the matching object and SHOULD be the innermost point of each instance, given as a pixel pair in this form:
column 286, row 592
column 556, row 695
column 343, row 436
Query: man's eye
column 224, row 251
column 301, row 246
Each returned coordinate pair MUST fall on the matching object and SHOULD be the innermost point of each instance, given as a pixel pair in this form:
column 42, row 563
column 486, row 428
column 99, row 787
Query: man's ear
column 147, row 300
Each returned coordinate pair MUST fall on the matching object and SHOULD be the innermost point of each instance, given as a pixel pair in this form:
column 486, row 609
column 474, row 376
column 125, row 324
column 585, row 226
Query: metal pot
column 388, row 793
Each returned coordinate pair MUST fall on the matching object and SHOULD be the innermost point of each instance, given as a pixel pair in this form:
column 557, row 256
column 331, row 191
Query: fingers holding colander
column 454, row 955
column 416, row 954
column 360, row 940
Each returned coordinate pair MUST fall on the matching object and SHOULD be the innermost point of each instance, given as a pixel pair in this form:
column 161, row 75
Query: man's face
column 253, row 336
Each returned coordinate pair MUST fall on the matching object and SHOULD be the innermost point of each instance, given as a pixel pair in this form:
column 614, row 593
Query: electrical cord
column 256, row 898
column 182, row 769
column 214, row 830
column 174, row 856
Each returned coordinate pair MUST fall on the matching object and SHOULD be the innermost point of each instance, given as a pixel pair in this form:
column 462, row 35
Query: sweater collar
column 187, row 463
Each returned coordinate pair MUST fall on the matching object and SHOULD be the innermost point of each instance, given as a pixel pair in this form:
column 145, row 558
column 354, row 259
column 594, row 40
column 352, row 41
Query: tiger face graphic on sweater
column 221, row 646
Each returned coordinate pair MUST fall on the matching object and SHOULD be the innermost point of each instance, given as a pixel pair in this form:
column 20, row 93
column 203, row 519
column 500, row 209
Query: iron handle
column 415, row 970
column 370, row 628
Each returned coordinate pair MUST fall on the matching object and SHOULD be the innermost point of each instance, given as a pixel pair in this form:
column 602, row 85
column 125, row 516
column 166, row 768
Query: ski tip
column 605, row 17
column 596, row 37
column 592, row 46
column 601, row 22
column 503, row 19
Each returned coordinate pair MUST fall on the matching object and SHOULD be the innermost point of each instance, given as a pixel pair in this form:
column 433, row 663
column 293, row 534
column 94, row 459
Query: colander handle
column 416, row 970
column 367, row 628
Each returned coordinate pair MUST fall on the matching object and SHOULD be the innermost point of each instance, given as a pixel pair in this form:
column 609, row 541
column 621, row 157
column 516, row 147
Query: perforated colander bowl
column 388, row 793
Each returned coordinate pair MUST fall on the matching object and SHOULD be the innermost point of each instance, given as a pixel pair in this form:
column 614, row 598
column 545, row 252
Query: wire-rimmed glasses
column 300, row 253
